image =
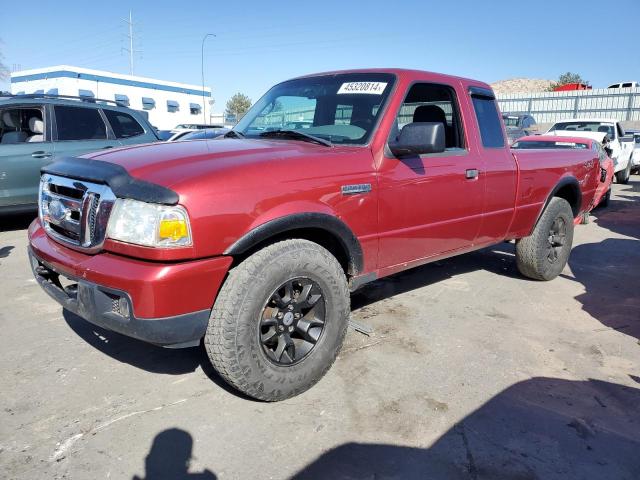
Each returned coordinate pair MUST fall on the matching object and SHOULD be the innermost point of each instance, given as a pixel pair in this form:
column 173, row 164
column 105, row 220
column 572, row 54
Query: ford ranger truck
column 253, row 242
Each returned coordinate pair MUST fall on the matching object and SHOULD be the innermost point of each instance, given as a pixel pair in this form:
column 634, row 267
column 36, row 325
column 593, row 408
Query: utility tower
column 130, row 50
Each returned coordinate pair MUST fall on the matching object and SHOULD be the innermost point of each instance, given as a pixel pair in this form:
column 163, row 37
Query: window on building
column 488, row 121
column 78, row 123
column 123, row 124
column 172, row 106
column 122, row 99
column 148, row 103
column 195, row 108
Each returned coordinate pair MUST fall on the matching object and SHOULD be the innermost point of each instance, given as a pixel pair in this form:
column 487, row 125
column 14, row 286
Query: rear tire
column 279, row 320
column 543, row 254
column 623, row 175
column 604, row 203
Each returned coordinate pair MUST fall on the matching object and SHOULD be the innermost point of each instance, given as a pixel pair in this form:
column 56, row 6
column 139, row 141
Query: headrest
column 603, row 128
column 429, row 113
column 36, row 125
column 8, row 120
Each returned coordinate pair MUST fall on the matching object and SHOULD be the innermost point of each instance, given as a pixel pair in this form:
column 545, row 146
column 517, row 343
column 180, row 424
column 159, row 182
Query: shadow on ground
column 543, row 428
column 144, row 355
column 609, row 269
column 169, row 458
column 499, row 259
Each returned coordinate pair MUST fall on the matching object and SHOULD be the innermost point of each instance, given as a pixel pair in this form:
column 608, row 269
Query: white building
column 167, row 103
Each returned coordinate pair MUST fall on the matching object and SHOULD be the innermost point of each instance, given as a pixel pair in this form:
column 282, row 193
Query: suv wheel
column 279, row 320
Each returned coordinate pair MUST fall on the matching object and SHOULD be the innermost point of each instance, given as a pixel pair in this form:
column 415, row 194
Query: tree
column 566, row 78
column 238, row 105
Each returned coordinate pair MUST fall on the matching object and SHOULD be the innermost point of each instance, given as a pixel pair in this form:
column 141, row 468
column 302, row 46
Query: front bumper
column 164, row 304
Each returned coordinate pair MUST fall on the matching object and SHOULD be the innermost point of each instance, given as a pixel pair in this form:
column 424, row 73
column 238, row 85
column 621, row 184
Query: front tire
column 543, row 254
column 279, row 320
column 623, row 175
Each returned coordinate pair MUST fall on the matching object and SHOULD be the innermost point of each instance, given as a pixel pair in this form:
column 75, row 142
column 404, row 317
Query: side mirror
column 419, row 138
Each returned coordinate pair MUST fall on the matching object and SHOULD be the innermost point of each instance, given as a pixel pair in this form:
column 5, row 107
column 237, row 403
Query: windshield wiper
column 296, row 135
column 233, row 134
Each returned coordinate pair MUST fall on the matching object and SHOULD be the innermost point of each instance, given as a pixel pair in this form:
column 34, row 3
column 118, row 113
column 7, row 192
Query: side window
column 488, row 121
column 123, row 124
column 18, row 125
column 77, row 123
column 432, row 103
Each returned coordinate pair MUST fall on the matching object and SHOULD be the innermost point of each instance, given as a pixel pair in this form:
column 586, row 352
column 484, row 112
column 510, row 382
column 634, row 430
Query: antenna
column 130, row 50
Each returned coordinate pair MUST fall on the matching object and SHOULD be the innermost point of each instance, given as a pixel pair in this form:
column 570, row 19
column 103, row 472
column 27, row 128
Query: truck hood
column 174, row 163
column 598, row 136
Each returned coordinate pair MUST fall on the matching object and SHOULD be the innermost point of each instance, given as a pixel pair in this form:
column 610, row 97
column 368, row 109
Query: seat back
column 433, row 113
column 12, row 137
column 37, row 127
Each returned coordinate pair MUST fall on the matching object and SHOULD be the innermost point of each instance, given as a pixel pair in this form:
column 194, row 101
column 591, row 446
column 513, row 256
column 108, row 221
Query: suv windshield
column 342, row 108
column 607, row 128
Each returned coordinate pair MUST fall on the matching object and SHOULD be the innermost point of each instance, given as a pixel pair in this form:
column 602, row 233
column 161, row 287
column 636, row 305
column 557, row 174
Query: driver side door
column 430, row 204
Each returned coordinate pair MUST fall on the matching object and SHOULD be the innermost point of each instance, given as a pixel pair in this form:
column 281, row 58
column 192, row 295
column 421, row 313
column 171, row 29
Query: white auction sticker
column 371, row 88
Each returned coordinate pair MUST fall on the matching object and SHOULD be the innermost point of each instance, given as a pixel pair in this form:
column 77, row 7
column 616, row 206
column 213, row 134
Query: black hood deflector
column 121, row 183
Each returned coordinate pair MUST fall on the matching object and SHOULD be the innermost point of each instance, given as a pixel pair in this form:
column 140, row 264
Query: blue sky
column 259, row 43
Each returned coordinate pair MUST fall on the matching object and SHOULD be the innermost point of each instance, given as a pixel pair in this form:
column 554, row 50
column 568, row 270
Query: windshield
column 607, row 128
column 510, row 121
column 342, row 108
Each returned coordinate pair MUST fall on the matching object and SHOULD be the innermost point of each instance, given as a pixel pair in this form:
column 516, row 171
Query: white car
column 621, row 146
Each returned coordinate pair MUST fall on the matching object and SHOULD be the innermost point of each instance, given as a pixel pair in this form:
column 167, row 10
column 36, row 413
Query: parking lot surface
column 472, row 372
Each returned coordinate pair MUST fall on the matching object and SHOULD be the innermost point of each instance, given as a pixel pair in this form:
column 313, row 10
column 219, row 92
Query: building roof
column 68, row 71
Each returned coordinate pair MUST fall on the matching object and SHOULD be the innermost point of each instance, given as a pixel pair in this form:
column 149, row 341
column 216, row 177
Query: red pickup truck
column 253, row 242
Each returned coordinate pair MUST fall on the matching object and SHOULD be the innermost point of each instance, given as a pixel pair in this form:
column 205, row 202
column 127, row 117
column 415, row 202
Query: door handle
column 471, row 174
column 108, row 146
column 41, row 154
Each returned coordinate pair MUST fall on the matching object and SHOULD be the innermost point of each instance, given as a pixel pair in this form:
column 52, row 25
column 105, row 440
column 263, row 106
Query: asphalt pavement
column 471, row 372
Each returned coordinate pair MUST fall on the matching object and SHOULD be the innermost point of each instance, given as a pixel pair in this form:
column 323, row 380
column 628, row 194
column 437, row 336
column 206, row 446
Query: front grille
column 75, row 212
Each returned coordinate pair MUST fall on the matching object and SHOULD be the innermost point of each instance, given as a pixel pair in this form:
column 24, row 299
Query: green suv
column 35, row 129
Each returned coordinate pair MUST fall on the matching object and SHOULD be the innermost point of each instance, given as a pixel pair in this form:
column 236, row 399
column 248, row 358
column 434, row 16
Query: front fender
column 325, row 222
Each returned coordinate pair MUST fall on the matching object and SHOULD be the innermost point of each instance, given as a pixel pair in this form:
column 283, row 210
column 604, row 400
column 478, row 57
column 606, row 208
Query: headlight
column 149, row 224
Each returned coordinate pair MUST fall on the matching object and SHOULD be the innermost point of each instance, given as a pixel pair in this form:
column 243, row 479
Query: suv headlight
column 149, row 224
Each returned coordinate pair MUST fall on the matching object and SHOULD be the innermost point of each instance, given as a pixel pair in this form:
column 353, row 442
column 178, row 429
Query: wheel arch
column 567, row 188
column 327, row 230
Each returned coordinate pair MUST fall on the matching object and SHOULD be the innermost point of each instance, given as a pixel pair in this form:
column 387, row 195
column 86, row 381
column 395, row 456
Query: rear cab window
column 78, row 123
column 123, row 124
column 486, row 110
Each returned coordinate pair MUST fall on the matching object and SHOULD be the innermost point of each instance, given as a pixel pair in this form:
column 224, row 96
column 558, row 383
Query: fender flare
column 563, row 182
column 297, row 221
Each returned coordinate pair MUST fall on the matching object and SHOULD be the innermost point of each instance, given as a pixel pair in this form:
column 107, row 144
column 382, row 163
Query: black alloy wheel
column 292, row 321
column 557, row 239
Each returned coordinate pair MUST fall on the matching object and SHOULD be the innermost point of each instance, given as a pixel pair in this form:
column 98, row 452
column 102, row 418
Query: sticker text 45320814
column 371, row 88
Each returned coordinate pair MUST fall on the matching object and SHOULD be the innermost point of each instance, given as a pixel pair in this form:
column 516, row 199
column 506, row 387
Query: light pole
column 204, row 108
